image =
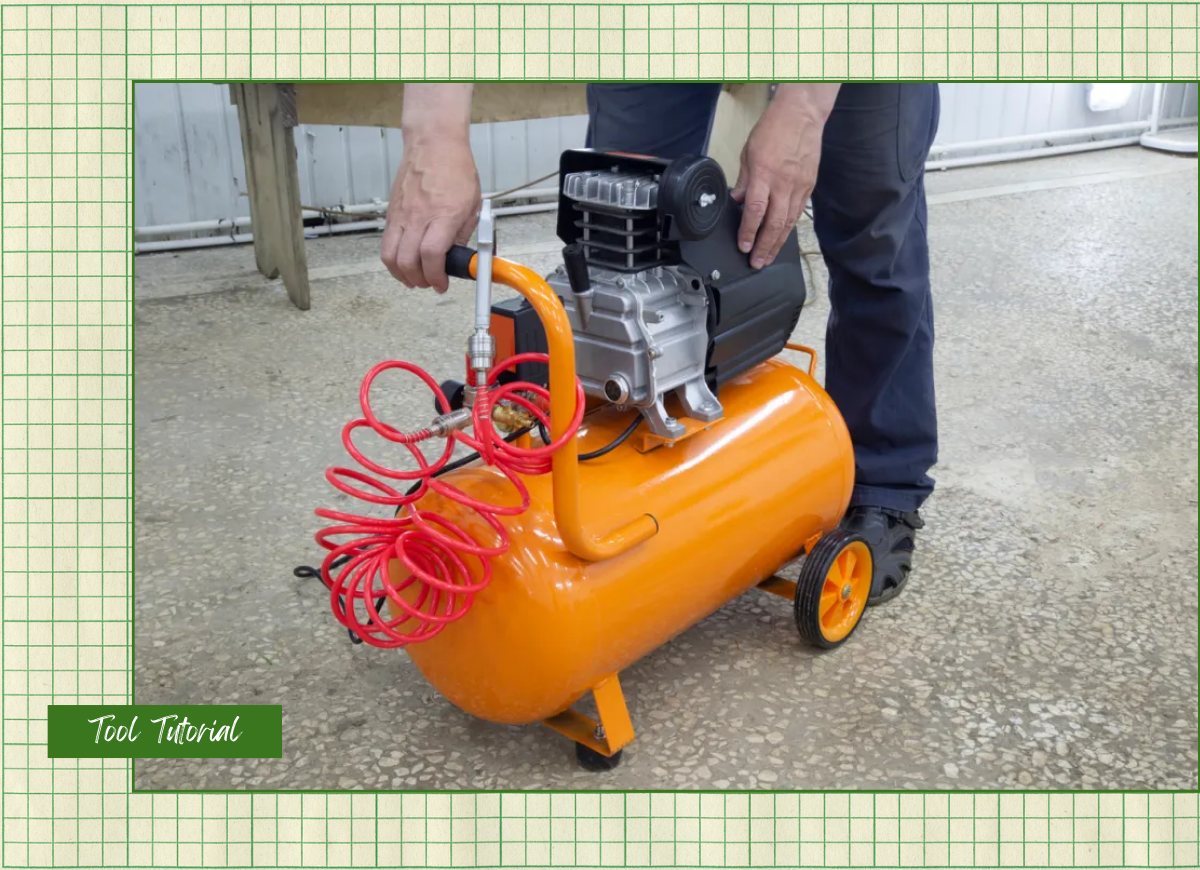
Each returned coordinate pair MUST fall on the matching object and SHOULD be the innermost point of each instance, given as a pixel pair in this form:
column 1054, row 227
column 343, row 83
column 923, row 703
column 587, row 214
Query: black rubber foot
column 590, row 759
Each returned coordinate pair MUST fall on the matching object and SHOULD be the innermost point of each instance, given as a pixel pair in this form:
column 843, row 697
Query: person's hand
column 779, row 168
column 434, row 205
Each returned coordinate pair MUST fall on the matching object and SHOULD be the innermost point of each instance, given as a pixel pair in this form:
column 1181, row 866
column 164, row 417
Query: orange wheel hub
column 844, row 596
column 832, row 592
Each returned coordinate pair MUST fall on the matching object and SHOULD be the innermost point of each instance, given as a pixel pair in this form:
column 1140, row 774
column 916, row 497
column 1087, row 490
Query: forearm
column 813, row 100
column 442, row 111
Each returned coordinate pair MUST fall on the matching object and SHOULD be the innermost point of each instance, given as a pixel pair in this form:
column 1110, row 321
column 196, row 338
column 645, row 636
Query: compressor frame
column 836, row 574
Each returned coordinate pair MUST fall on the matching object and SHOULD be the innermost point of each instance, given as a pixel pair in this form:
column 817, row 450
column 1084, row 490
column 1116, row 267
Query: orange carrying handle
column 565, row 462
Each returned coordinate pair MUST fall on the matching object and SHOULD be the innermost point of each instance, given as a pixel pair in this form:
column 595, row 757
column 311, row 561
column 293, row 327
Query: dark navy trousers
column 870, row 219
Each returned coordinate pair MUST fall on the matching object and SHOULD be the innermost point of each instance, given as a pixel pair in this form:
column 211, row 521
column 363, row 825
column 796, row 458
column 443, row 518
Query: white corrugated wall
column 976, row 112
column 189, row 153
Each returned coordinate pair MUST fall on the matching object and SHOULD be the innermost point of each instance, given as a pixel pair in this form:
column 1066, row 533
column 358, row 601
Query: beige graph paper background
column 67, row 413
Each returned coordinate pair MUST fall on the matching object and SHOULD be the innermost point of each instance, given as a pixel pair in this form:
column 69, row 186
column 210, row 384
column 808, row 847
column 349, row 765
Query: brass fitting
column 511, row 418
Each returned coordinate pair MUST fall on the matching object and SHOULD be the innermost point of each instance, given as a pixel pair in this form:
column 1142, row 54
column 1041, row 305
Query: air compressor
column 640, row 455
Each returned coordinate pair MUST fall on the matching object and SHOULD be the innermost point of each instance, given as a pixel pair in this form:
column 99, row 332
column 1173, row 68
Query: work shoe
column 891, row 535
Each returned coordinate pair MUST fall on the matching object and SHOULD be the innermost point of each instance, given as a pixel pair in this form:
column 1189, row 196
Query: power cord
column 806, row 256
column 308, row 572
column 505, row 193
column 607, row 448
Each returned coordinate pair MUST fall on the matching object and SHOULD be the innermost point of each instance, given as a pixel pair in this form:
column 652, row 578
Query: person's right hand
column 435, row 204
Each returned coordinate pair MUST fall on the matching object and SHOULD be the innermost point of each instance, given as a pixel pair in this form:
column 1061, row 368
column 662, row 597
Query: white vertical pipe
column 1155, row 107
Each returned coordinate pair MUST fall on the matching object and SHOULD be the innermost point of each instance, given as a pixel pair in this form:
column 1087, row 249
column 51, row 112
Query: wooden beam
column 381, row 104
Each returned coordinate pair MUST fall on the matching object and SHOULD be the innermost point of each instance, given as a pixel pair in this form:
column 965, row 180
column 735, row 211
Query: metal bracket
column 782, row 586
column 612, row 733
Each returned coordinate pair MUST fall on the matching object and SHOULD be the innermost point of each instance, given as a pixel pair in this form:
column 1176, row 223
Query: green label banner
column 165, row 731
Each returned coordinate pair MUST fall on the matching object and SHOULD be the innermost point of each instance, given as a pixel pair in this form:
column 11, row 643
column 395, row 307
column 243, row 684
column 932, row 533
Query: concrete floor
column 1048, row 637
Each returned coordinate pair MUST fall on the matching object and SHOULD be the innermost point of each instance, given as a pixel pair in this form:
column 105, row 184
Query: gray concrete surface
column 1048, row 637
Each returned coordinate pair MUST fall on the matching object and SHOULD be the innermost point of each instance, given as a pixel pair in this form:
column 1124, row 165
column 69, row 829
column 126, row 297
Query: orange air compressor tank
column 733, row 504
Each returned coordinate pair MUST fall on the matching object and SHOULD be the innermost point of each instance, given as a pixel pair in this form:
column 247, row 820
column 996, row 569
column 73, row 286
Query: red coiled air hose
column 436, row 551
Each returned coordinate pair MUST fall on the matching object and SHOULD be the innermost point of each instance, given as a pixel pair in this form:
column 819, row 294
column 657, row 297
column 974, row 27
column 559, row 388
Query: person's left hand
column 779, row 168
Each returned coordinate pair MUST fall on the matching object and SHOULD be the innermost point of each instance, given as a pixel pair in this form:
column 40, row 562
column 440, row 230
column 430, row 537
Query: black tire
column 812, row 583
column 590, row 759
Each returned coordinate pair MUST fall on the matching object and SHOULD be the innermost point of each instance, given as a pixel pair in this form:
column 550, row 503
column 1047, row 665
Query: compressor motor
column 659, row 297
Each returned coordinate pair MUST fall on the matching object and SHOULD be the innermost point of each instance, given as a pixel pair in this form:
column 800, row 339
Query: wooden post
column 738, row 109
column 266, row 116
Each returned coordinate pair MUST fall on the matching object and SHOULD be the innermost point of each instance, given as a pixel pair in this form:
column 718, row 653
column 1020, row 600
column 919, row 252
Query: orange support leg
column 612, row 733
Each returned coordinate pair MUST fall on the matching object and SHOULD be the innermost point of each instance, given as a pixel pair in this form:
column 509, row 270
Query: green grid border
column 66, row 344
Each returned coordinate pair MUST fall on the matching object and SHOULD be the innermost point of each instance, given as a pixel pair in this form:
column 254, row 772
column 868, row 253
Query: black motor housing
column 751, row 313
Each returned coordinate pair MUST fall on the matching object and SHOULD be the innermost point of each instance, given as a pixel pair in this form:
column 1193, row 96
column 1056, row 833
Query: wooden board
column 381, row 104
